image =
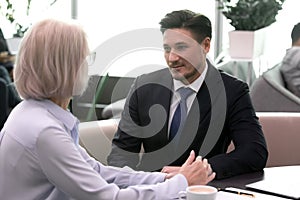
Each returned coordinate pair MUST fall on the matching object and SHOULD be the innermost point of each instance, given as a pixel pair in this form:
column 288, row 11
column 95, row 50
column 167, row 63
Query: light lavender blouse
column 40, row 159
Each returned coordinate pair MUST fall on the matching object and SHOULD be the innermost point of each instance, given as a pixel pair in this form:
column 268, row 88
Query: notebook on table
column 287, row 189
column 257, row 196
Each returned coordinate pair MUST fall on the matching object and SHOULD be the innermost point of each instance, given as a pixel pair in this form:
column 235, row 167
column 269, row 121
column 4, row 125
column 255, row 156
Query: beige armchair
column 282, row 133
column 281, row 130
column 96, row 137
column 269, row 94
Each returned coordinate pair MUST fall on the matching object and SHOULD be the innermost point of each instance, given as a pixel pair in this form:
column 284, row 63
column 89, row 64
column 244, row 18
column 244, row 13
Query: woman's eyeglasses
column 90, row 59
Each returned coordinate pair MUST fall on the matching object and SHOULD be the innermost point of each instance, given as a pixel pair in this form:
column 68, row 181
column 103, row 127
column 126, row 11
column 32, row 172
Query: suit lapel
column 160, row 93
column 165, row 102
column 197, row 130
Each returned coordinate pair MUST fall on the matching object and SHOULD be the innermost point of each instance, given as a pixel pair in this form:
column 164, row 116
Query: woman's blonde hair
column 49, row 59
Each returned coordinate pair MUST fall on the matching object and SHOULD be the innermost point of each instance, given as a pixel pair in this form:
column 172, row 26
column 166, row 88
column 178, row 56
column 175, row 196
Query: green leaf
column 99, row 91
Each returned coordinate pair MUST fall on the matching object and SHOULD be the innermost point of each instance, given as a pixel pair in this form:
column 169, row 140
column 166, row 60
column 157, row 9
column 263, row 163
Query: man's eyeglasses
column 90, row 59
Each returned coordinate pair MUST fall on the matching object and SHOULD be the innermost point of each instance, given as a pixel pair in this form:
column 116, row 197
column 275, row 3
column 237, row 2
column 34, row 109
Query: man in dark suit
column 219, row 109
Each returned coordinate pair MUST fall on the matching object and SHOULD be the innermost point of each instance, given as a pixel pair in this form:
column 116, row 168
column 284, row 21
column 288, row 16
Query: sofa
column 281, row 130
column 115, row 89
column 269, row 93
column 96, row 137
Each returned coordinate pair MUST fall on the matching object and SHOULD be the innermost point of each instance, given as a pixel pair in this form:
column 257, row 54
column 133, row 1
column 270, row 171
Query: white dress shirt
column 40, row 159
column 195, row 86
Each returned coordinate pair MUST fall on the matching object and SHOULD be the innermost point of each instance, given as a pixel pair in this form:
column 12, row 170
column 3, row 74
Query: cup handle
column 182, row 195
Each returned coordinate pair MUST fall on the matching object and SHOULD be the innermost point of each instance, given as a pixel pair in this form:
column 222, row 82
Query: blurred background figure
column 296, row 35
column 9, row 97
column 6, row 58
column 290, row 66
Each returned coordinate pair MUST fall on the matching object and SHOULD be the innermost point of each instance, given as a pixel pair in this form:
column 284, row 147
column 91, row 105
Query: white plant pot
column 13, row 44
column 246, row 44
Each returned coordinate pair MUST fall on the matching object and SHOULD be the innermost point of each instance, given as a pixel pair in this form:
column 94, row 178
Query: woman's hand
column 171, row 171
column 196, row 171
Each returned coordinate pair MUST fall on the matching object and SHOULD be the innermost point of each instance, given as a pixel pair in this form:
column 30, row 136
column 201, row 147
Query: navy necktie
column 180, row 112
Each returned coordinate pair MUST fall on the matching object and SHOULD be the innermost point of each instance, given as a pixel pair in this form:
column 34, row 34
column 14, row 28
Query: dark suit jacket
column 221, row 112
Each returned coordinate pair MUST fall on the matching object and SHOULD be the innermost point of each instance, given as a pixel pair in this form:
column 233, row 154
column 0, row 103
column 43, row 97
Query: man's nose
column 173, row 56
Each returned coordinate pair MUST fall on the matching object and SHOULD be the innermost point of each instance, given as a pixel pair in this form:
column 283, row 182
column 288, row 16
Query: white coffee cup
column 199, row 192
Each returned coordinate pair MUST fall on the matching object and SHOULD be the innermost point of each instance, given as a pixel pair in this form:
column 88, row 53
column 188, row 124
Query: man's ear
column 206, row 44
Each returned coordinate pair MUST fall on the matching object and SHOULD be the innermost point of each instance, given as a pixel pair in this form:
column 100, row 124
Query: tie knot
column 185, row 92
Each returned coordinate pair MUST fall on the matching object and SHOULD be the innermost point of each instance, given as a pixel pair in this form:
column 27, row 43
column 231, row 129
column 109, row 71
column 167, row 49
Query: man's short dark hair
column 295, row 33
column 197, row 23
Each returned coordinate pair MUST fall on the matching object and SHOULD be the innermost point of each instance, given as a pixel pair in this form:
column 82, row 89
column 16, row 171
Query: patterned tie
column 180, row 112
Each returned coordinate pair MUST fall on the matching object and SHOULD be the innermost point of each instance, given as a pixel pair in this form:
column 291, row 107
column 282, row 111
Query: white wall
column 104, row 20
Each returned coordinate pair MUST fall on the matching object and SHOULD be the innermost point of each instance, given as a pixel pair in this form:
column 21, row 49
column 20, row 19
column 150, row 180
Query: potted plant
column 249, row 18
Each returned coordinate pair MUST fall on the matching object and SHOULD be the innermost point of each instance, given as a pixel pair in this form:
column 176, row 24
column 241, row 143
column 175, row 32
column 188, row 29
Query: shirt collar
column 195, row 86
column 65, row 116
